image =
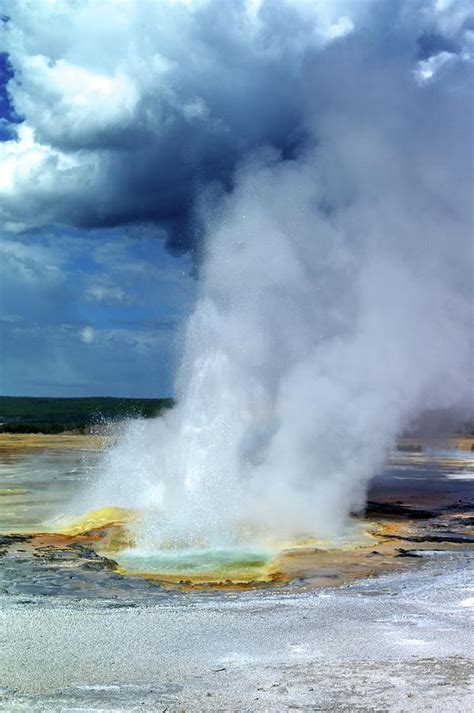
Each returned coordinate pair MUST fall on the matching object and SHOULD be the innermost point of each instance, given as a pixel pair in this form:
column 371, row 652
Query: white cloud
column 34, row 177
column 65, row 98
column 341, row 27
column 24, row 160
column 87, row 335
column 427, row 69
column 31, row 264
column 105, row 292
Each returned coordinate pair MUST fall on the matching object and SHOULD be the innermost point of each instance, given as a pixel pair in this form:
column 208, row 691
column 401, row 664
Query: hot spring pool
column 212, row 564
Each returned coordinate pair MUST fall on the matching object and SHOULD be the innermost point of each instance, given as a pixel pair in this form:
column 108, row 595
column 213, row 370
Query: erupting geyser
column 333, row 303
column 315, row 336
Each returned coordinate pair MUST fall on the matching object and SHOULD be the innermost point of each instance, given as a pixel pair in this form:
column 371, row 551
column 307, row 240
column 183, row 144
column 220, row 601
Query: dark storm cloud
column 131, row 109
column 180, row 102
column 8, row 118
column 430, row 44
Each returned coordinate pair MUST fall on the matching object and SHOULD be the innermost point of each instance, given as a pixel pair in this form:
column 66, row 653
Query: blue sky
column 91, row 312
column 88, row 312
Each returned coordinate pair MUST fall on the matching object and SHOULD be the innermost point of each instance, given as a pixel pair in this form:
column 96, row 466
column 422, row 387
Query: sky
column 123, row 121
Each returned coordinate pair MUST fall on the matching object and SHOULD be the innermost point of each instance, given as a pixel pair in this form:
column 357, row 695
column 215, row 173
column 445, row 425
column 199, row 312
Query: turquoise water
column 194, row 561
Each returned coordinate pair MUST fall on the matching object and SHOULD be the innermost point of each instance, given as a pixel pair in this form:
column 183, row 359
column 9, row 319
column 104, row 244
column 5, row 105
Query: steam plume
column 328, row 315
column 326, row 150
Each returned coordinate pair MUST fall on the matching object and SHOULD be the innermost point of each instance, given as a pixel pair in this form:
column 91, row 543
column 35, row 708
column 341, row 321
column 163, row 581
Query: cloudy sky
column 119, row 118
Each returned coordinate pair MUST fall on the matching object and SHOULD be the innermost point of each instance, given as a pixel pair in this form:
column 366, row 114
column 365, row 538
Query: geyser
column 311, row 344
column 333, row 304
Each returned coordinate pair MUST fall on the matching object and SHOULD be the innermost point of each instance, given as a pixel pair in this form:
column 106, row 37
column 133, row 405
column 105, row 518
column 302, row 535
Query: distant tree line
column 57, row 415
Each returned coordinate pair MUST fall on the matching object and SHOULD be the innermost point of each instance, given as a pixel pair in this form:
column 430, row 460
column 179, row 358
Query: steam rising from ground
column 334, row 303
column 316, row 335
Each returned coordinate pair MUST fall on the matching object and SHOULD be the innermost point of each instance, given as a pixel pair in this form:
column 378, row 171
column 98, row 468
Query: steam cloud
column 314, row 339
column 335, row 284
column 334, row 303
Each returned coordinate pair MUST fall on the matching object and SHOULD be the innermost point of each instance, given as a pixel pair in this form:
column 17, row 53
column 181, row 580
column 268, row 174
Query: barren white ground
column 395, row 643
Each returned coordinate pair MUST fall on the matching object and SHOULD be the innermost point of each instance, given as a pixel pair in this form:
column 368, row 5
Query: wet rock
column 463, row 521
column 448, row 537
column 74, row 571
column 7, row 540
column 96, row 566
column 454, row 537
column 375, row 509
column 460, row 506
column 409, row 448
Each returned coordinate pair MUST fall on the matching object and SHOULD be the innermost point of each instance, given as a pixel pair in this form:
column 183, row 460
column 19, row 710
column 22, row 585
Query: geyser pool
column 238, row 564
column 251, row 556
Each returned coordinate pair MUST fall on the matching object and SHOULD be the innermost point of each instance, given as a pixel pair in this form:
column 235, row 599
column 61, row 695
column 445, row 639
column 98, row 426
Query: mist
column 315, row 160
column 334, row 306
